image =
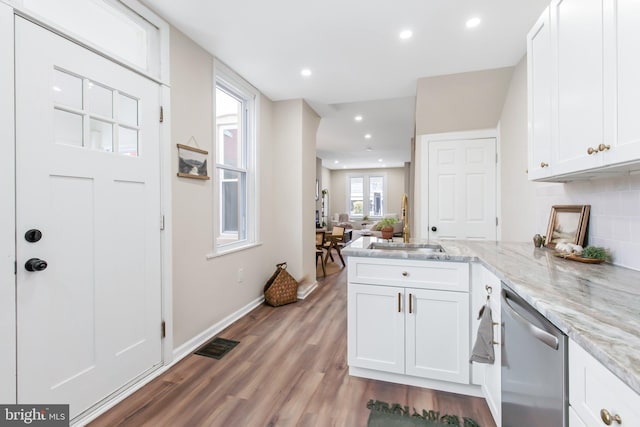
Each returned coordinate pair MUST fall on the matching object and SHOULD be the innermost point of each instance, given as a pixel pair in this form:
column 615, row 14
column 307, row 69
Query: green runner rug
column 385, row 415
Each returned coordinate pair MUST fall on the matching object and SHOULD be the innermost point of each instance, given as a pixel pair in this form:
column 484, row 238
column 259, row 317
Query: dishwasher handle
column 540, row 334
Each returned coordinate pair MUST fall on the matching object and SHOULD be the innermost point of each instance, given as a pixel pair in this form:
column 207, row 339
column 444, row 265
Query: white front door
column 462, row 189
column 88, row 179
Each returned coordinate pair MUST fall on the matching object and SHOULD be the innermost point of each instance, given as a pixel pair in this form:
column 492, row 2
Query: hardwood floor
column 290, row 369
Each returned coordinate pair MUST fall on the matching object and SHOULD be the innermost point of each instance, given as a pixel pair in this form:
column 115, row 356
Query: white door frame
column 421, row 202
column 7, row 211
column 7, row 190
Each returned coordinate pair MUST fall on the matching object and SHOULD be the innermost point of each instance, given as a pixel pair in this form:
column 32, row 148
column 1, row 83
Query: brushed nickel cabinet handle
column 399, row 302
column 410, row 304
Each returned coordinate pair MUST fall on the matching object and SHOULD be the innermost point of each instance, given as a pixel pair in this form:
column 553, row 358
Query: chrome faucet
column 405, row 218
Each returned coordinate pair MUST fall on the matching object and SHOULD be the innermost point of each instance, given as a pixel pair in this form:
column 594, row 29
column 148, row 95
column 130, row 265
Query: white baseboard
column 195, row 342
column 178, row 354
column 306, row 289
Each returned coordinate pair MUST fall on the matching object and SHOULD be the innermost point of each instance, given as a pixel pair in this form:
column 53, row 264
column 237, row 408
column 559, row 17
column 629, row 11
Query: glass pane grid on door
column 93, row 116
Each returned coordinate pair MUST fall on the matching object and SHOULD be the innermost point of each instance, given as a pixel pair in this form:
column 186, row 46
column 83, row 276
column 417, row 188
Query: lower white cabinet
column 485, row 283
column 409, row 329
column 596, row 396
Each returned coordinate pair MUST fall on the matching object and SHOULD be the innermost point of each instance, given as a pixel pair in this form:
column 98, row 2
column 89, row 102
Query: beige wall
column 393, row 198
column 294, row 174
column 519, row 210
column 207, row 291
column 460, row 102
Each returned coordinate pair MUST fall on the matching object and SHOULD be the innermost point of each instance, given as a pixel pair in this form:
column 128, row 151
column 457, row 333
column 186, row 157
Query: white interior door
column 462, row 189
column 88, row 178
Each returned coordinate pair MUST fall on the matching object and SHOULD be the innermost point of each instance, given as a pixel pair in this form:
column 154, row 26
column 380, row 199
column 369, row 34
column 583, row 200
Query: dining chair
column 334, row 241
column 320, row 251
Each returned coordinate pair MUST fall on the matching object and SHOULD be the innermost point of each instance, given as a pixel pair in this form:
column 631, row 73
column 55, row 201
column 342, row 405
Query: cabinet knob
column 607, row 418
column 405, row 274
column 591, row 150
column 603, row 147
column 544, row 165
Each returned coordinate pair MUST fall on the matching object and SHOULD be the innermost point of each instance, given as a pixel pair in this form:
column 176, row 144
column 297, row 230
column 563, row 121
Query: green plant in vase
column 385, row 226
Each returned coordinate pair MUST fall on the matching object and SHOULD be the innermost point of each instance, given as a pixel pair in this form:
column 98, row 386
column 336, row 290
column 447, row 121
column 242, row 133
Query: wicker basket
column 281, row 288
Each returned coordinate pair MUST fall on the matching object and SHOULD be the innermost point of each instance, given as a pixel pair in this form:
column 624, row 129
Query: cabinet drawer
column 593, row 388
column 440, row 275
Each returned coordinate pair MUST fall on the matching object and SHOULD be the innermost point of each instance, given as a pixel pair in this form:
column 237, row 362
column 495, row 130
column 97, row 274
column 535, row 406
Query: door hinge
column 496, row 157
column 163, row 329
column 496, row 221
column 15, row 267
column 161, row 222
column 161, row 114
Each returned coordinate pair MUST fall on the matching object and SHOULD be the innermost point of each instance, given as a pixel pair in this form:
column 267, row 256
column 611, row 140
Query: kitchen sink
column 407, row 247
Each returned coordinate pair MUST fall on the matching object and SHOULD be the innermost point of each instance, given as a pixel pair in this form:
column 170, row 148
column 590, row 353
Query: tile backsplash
column 614, row 221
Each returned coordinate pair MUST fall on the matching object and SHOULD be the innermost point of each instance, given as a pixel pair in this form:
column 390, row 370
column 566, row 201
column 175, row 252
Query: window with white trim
column 234, row 178
column 366, row 195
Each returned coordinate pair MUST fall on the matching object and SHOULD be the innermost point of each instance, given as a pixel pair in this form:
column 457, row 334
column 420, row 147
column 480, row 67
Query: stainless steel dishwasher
column 534, row 361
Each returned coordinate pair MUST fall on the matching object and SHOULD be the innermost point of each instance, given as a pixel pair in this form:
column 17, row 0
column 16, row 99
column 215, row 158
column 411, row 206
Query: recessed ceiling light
column 344, row 166
column 368, row 136
column 305, row 72
column 56, row 88
column 473, row 22
column 358, row 118
column 380, row 160
column 406, row 34
column 336, row 161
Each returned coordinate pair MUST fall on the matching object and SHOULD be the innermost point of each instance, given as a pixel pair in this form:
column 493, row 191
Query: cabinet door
column 539, row 84
column 376, row 327
column 492, row 381
column 623, row 45
column 438, row 335
column 593, row 388
column 577, row 48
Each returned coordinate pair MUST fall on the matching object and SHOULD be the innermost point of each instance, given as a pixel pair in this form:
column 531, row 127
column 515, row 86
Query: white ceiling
column 359, row 64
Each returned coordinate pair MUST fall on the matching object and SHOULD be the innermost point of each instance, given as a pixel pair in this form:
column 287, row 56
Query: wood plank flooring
column 290, row 369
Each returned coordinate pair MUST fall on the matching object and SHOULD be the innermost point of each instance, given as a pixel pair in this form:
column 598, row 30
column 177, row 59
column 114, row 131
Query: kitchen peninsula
column 596, row 306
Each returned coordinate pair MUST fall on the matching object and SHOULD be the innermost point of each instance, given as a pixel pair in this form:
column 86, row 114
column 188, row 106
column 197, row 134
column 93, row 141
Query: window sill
column 233, row 250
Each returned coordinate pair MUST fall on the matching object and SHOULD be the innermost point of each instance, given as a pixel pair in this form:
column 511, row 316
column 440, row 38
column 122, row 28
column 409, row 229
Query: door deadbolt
column 33, row 235
column 35, row 264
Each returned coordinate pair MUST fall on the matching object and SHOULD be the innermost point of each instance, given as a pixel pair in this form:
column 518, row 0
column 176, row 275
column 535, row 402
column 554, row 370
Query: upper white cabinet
column 584, row 83
column 539, row 72
column 623, row 85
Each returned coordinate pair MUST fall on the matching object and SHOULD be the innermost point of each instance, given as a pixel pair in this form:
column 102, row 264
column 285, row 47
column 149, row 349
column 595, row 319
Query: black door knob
column 434, row 228
column 35, row 264
column 33, row 235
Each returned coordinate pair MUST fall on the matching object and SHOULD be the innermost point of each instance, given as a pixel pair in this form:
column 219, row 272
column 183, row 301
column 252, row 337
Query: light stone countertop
column 596, row 305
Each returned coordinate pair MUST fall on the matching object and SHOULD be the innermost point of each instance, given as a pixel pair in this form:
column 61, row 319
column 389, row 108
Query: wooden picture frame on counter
column 567, row 223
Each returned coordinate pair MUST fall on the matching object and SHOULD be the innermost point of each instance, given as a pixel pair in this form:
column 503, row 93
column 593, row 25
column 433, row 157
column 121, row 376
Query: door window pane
column 67, row 89
column 356, row 199
column 67, row 128
column 127, row 141
column 100, row 100
column 229, row 122
column 101, row 135
column 127, row 110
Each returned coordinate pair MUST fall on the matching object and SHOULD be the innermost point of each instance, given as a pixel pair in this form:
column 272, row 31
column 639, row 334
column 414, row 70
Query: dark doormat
column 217, row 348
column 385, row 415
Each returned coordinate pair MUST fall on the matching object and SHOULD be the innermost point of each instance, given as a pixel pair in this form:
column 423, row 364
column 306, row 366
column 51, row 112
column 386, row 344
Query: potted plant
column 386, row 227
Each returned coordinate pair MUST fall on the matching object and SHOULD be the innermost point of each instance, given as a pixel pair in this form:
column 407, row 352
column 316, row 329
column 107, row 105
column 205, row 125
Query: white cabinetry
column 539, row 85
column 409, row 317
column 596, row 394
column 584, row 83
column 488, row 375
